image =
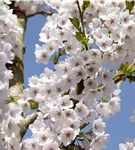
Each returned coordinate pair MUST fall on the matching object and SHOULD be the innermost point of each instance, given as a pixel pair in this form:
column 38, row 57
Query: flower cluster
column 130, row 145
column 31, row 6
column 9, row 47
column 95, row 37
column 83, row 75
column 79, row 88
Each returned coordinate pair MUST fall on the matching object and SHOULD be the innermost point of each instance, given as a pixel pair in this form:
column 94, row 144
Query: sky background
column 118, row 126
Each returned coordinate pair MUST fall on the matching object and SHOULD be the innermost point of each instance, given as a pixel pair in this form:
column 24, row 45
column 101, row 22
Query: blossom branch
column 40, row 13
column 17, row 67
column 125, row 73
column 81, row 16
column 122, row 77
column 24, row 124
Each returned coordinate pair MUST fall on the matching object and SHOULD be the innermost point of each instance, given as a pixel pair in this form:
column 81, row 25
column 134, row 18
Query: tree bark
column 17, row 83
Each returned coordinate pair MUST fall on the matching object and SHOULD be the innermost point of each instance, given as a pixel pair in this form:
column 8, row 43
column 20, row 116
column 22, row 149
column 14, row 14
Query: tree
column 83, row 90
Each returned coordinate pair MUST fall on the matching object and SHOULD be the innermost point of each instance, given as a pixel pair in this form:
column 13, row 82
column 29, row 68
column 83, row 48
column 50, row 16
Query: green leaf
column 10, row 100
column 66, row 93
column 33, row 104
column 55, row 59
column 100, row 85
column 125, row 67
column 81, row 38
column 104, row 99
column 76, row 23
column 83, row 126
column 121, row 67
column 130, row 5
column 81, row 134
column 111, row 70
column 131, row 78
column 63, row 52
column 85, row 5
column 129, row 70
column 133, row 71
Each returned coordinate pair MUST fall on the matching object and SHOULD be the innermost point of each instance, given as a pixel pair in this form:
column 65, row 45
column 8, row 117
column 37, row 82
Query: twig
column 123, row 75
column 40, row 13
column 81, row 16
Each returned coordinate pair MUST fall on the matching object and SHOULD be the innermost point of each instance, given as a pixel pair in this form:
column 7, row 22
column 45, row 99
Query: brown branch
column 24, row 124
column 18, row 67
column 40, row 13
column 81, row 16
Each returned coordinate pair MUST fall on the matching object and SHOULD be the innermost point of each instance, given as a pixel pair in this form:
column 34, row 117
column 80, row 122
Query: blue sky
column 119, row 125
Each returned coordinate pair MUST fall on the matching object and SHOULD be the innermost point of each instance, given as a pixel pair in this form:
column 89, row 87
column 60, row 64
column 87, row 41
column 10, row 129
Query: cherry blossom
column 80, row 92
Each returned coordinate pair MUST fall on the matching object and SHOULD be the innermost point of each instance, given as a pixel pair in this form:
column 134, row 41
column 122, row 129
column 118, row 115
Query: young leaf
column 81, row 134
column 104, row 99
column 83, row 126
column 76, row 23
column 130, row 5
column 81, row 38
column 121, row 67
column 55, row 59
column 125, row 66
column 63, row 52
column 33, row 104
column 85, row 5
